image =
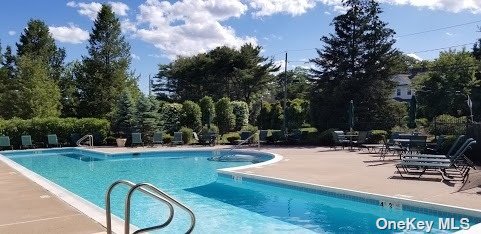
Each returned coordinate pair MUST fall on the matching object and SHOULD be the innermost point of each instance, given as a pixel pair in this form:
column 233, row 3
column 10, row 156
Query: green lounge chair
column 339, row 139
column 5, row 142
column 137, row 139
column 52, row 139
column 26, row 142
column 263, row 136
column 244, row 135
column 177, row 139
column 456, row 145
column 158, row 138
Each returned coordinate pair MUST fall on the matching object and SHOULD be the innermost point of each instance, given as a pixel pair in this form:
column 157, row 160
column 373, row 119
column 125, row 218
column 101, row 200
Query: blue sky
column 158, row 31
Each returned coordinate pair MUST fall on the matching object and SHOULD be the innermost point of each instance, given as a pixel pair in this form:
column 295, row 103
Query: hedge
column 65, row 128
column 241, row 112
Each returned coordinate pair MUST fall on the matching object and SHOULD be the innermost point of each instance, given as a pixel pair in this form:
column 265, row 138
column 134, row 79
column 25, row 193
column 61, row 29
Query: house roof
column 402, row 79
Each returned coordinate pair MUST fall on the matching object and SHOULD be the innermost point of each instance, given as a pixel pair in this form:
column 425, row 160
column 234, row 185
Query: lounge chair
column 177, row 139
column 208, row 138
column 158, row 138
column 52, row 139
column 244, row 135
column 5, row 142
column 196, row 137
column 439, row 158
column 26, row 142
column 458, row 162
column 263, row 136
column 339, row 139
column 362, row 139
column 295, row 136
column 137, row 139
column 456, row 145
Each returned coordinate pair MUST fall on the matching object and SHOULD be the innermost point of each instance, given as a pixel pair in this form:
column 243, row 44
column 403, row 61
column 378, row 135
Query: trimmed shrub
column 448, row 125
column 207, row 108
column 225, row 117
column 191, row 116
column 63, row 127
column 171, row 114
column 232, row 137
column 277, row 116
column 187, row 135
column 264, row 117
column 212, row 128
column 326, row 137
column 296, row 113
column 241, row 112
column 167, row 138
column 376, row 136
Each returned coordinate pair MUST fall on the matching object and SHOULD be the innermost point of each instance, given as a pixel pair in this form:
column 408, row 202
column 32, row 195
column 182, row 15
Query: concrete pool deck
column 29, row 208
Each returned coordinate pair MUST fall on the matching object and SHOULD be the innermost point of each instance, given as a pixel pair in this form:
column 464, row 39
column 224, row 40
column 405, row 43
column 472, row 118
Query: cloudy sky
column 160, row 30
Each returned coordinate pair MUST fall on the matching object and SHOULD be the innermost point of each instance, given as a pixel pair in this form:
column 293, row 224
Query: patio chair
column 339, row 140
column 52, row 139
column 458, row 162
column 137, row 139
column 158, row 138
column 177, row 139
column 438, row 158
column 26, row 142
column 417, row 143
column 432, row 148
column 196, row 137
column 391, row 148
column 362, row 138
column 263, row 136
column 456, row 145
column 5, row 142
column 244, row 135
column 295, row 136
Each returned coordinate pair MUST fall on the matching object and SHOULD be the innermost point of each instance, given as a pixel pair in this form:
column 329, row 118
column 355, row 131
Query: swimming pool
column 221, row 204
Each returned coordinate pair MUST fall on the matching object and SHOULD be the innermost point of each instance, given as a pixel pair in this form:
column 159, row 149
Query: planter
column 121, row 142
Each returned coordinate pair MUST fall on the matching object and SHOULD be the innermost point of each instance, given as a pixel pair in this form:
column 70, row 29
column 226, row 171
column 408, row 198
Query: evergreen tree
column 124, row 118
column 147, row 118
column 191, row 116
column 9, row 94
column 356, row 63
column 207, row 108
column 105, row 70
column 225, row 117
column 40, row 95
column 68, row 89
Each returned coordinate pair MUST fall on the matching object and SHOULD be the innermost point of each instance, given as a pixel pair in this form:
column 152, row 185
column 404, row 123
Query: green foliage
column 212, row 129
column 326, row 137
column 225, row 117
column 376, row 136
column 124, row 118
column 296, row 112
column 444, row 88
column 105, row 72
column 356, row 63
column 277, row 116
column 63, row 127
column 448, row 125
column 254, row 111
column 147, row 117
column 68, row 89
column 207, row 108
column 232, row 137
column 40, row 95
column 298, row 84
column 191, row 116
column 264, row 117
column 422, row 122
column 170, row 114
column 167, row 138
column 238, row 74
column 241, row 112
column 187, row 135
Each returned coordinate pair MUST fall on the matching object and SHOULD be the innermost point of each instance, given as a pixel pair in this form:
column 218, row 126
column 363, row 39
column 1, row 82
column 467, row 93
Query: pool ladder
column 89, row 138
column 152, row 191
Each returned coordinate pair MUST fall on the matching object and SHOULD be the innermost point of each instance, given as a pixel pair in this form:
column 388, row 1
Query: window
column 409, row 92
column 398, row 92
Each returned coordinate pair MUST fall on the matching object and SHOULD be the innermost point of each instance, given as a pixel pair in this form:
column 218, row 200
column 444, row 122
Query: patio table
column 350, row 136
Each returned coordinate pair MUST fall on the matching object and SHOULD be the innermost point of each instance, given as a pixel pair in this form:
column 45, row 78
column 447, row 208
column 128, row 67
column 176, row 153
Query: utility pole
column 285, row 98
column 150, row 86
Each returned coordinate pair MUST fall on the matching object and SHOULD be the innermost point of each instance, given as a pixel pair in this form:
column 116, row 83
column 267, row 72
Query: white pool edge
column 82, row 205
column 233, row 171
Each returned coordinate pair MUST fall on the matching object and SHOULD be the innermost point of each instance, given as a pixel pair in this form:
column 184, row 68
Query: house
column 403, row 90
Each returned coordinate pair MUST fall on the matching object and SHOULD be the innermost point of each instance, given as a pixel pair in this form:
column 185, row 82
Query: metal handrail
column 244, row 141
column 164, row 195
column 156, row 195
column 89, row 137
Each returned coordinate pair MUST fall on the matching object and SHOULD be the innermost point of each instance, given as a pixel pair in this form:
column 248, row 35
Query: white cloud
column 91, row 9
column 291, row 7
column 12, row 33
column 447, row 5
column 134, row 56
column 415, row 56
column 190, row 26
column 71, row 34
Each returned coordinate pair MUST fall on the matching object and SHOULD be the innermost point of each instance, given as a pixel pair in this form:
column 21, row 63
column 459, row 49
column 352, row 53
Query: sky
column 159, row 31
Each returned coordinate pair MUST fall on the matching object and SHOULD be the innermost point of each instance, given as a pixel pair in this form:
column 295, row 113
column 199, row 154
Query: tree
column 147, row 117
column 298, row 84
column 264, row 117
column 68, row 89
column 191, row 116
column 105, row 69
column 222, row 72
column 225, row 117
column 124, row 117
column 207, row 108
column 444, row 88
column 356, row 63
column 40, row 95
column 171, row 113
column 297, row 113
column 241, row 113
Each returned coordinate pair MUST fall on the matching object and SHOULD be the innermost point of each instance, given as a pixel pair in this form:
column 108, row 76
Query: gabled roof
column 402, row 79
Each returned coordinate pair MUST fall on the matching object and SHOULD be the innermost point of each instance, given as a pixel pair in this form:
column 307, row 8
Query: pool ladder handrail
column 149, row 190
column 245, row 141
column 88, row 137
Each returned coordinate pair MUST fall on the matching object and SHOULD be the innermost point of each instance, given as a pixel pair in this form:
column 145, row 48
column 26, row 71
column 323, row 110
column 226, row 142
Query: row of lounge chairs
column 158, row 139
column 26, row 142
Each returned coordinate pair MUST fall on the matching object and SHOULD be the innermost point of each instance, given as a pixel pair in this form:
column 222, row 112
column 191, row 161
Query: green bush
column 264, row 117
column 277, row 116
column 231, row 137
column 212, row 129
column 171, row 113
column 326, row 137
column 376, row 136
column 310, row 136
column 207, row 108
column 241, row 113
column 448, row 125
column 422, row 122
column 187, row 135
column 63, row 127
column 296, row 113
column 167, row 138
column 191, row 116
column 225, row 117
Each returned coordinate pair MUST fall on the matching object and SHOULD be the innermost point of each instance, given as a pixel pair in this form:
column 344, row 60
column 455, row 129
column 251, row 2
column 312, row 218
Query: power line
column 438, row 29
column 442, row 48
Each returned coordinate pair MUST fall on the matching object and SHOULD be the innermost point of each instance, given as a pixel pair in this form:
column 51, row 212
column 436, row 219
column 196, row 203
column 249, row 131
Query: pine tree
column 147, row 118
column 356, row 63
column 106, row 69
column 124, row 120
column 207, row 108
column 10, row 86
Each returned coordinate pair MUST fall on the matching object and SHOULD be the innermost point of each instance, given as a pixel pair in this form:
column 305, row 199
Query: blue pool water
column 221, row 204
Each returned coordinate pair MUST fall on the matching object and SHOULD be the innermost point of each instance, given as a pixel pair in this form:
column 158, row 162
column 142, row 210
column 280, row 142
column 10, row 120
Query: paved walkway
column 26, row 207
